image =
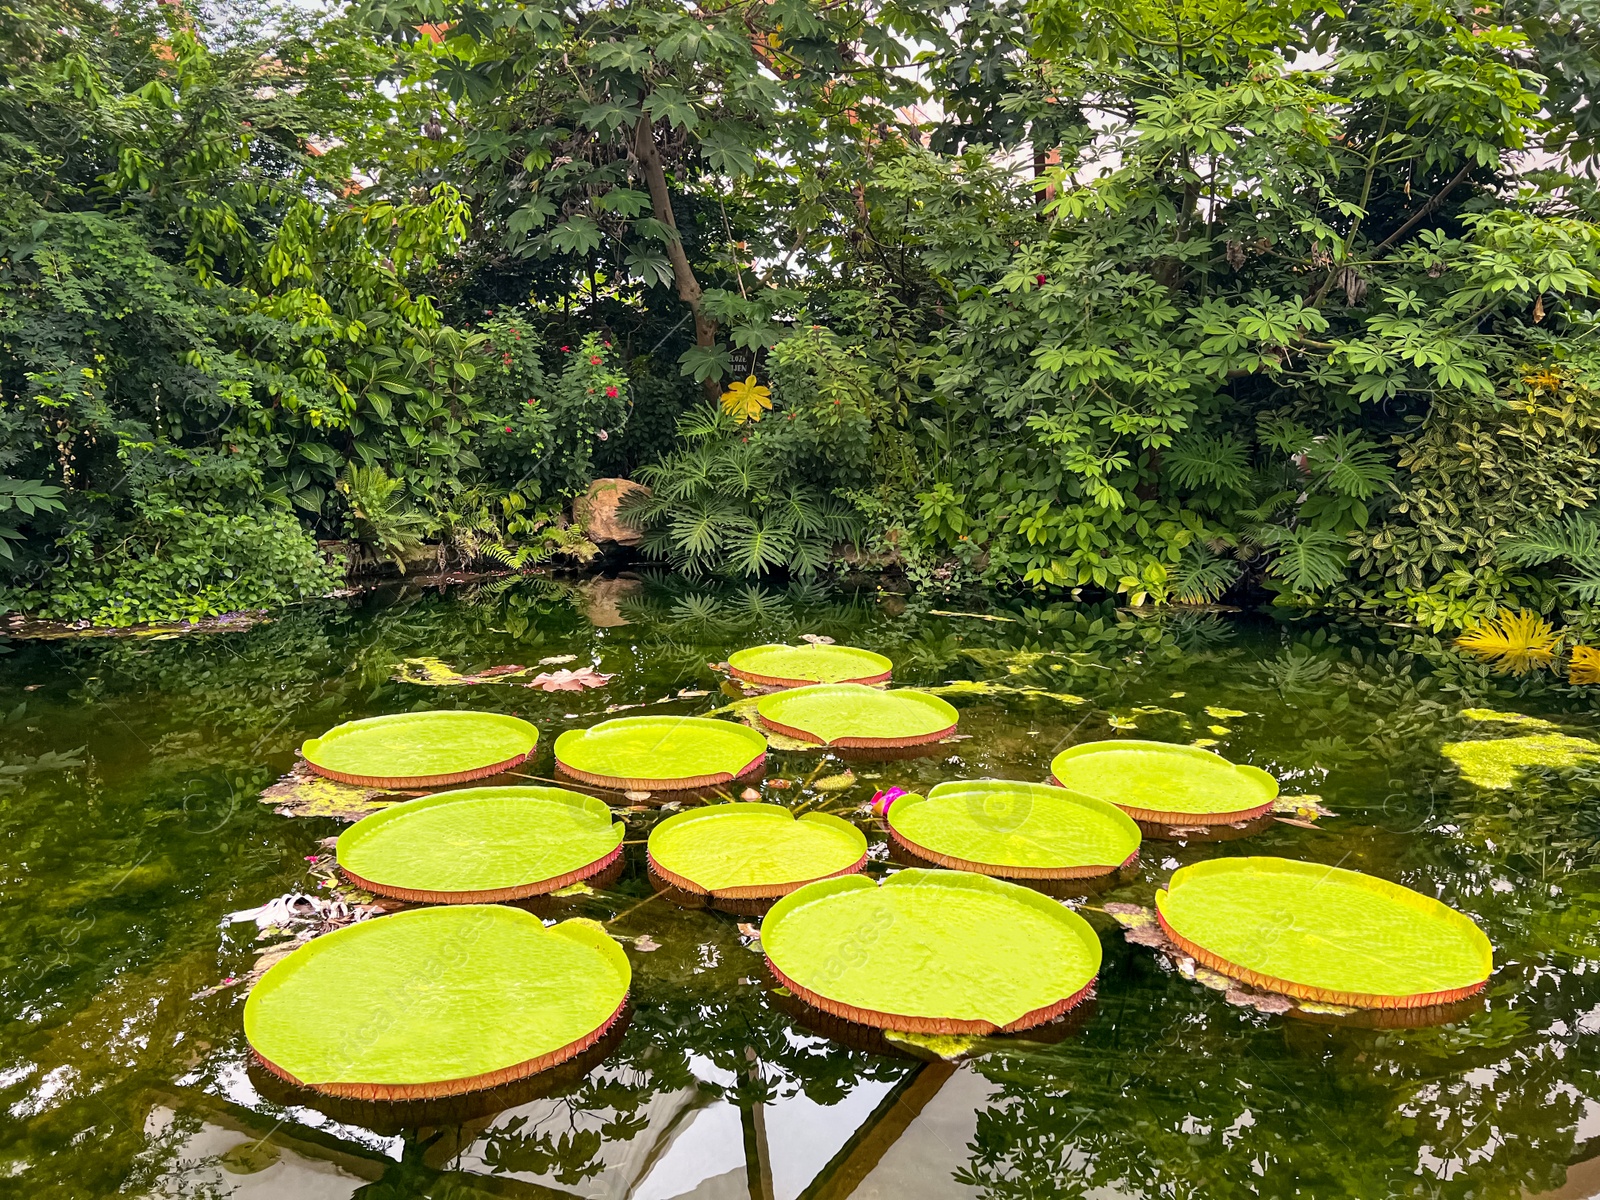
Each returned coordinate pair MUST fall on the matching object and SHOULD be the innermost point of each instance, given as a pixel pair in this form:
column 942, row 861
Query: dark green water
column 128, row 798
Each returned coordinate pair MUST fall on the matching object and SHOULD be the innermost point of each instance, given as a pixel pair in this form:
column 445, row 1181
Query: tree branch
column 648, row 155
column 1422, row 213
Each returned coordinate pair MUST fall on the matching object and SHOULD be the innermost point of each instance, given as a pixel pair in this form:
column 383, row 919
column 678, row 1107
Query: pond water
column 130, row 771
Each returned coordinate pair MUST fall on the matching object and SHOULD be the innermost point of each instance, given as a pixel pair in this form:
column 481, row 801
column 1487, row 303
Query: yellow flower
column 745, row 399
column 1584, row 666
column 1516, row 642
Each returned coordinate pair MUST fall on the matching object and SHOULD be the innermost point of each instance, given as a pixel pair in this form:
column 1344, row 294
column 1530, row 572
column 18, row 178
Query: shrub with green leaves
column 178, row 563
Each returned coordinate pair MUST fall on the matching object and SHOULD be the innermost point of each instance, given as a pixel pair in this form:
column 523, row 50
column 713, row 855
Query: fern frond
column 1515, row 642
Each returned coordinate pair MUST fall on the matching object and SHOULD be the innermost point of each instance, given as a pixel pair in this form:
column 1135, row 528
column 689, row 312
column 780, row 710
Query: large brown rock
column 596, row 511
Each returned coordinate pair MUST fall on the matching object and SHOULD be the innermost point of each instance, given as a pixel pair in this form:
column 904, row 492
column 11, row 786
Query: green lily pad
column 660, row 754
column 851, row 714
column 753, row 851
column 1499, row 762
column 436, row 1002
column 421, row 749
column 931, row 952
column 481, row 844
column 1166, row 783
column 1014, row 830
column 1324, row 933
column 796, row 666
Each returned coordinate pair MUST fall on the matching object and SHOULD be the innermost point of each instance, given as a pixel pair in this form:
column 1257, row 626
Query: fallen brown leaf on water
column 435, row 672
column 646, row 943
column 691, row 693
column 569, row 681
column 636, row 797
column 816, row 639
column 304, row 793
column 748, row 930
column 556, row 660
column 780, row 784
column 1296, row 822
column 1307, row 807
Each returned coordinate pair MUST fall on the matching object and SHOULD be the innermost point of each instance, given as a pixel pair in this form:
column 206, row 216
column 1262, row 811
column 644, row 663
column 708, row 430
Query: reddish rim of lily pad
column 756, row 891
column 1301, row 991
column 435, row 1090
column 419, row 781
column 623, row 783
column 857, row 743
column 521, row 891
column 1003, row 871
column 941, row 1025
column 1156, row 817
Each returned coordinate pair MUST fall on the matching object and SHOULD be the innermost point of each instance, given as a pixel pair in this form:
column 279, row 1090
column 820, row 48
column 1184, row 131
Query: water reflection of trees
column 126, row 874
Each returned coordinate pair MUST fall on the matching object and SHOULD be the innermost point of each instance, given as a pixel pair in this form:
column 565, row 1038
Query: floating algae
column 1497, row 762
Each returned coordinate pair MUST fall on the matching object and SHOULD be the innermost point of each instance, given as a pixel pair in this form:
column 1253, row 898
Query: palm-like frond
column 1351, row 464
column 683, row 475
column 1576, row 539
column 1584, row 665
column 756, row 545
column 741, row 469
column 810, row 555
column 1584, row 580
column 1308, row 559
column 701, row 529
column 1515, row 642
column 797, row 511
column 1200, row 575
column 1202, row 461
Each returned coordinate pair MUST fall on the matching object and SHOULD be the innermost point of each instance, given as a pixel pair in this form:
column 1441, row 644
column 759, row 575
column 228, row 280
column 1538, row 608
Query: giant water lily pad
column 1324, row 933
column 854, row 715
column 1015, row 830
column 1166, row 783
column 421, row 749
column 660, row 753
column 931, row 952
column 436, row 1002
column 753, row 851
column 481, row 844
column 797, row 666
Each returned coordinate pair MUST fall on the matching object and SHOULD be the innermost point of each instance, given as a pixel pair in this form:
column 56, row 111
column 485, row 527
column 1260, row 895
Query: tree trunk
column 655, row 177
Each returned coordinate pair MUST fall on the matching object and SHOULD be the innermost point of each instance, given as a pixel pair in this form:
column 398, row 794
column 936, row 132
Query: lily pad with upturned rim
column 421, row 749
column 436, row 1002
column 753, row 851
column 481, row 845
column 660, row 754
column 945, row 952
column 1015, row 830
column 1324, row 933
column 1165, row 783
column 853, row 715
column 799, row 666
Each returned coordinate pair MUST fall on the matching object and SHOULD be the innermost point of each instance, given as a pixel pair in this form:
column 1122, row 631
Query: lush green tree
column 1243, row 279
